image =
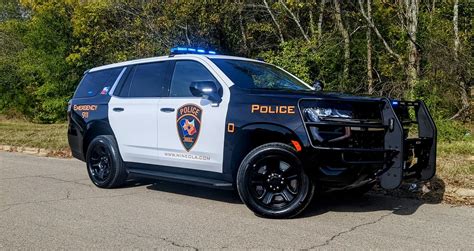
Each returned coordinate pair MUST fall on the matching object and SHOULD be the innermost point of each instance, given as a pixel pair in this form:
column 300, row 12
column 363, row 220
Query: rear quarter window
column 94, row 83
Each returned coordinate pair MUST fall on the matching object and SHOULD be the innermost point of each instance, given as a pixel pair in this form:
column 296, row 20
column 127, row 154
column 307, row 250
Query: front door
column 191, row 129
column 133, row 112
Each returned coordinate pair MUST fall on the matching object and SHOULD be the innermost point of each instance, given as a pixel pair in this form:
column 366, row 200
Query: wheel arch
column 253, row 135
column 94, row 129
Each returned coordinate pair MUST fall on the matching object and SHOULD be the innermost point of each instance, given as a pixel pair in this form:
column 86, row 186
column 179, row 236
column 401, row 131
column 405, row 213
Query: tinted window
column 186, row 72
column 255, row 75
column 146, row 80
column 94, row 83
column 124, row 87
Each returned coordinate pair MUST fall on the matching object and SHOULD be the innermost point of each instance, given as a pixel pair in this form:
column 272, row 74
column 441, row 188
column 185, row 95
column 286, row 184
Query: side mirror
column 318, row 85
column 207, row 90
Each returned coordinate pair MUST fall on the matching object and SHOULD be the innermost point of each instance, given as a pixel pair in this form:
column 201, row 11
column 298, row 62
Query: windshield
column 255, row 75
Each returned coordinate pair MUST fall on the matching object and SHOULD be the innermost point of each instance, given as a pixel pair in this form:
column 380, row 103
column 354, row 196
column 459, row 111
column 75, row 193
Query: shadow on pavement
column 137, row 182
column 369, row 202
column 227, row 196
column 403, row 201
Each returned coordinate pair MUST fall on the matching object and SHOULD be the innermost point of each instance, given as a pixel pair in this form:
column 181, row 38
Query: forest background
column 409, row 49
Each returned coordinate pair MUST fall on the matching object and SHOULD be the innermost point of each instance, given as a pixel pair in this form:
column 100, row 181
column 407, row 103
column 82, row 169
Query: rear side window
column 146, row 80
column 97, row 82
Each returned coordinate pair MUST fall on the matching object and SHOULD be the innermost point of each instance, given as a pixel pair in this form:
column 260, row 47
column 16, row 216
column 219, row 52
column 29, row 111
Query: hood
column 310, row 94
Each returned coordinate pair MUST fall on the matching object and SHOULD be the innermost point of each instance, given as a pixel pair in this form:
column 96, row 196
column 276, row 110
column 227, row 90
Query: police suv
column 237, row 123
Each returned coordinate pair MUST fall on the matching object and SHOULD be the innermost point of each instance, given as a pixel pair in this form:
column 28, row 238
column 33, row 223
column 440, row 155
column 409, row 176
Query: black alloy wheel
column 104, row 164
column 272, row 183
column 100, row 162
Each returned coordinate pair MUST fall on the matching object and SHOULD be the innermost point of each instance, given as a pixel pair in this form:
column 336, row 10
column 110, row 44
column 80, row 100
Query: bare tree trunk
column 370, row 79
column 185, row 28
column 280, row 34
column 242, row 29
column 412, row 7
column 377, row 32
column 311, row 23
column 320, row 21
column 432, row 12
column 345, row 36
column 297, row 21
column 462, row 85
column 456, row 28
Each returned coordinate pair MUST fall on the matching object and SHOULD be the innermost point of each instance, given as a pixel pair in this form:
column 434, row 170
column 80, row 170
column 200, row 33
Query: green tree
column 46, row 45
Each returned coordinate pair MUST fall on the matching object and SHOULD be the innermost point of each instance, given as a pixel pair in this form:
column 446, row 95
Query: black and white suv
column 230, row 122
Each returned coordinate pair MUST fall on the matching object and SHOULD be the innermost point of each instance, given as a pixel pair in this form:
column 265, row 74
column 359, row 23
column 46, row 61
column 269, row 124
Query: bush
column 449, row 130
column 295, row 57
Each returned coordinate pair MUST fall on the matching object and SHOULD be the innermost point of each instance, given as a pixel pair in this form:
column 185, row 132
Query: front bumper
column 389, row 152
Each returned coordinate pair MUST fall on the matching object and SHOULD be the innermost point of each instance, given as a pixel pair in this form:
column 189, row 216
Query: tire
column 104, row 164
column 272, row 183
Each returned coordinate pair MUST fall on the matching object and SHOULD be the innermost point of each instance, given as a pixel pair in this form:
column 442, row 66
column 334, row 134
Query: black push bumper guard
column 396, row 161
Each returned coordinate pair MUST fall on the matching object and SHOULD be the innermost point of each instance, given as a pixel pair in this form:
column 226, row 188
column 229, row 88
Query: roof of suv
column 155, row 59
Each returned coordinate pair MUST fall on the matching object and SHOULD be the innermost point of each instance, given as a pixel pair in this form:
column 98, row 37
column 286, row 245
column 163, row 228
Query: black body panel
column 370, row 146
column 81, row 128
column 87, row 117
column 255, row 128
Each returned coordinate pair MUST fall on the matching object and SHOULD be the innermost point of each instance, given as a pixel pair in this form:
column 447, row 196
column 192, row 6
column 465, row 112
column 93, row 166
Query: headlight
column 317, row 113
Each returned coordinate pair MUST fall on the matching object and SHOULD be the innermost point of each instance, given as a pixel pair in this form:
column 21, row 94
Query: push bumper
column 399, row 156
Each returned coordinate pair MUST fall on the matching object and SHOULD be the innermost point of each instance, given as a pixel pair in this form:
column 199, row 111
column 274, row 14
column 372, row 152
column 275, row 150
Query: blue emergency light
column 189, row 50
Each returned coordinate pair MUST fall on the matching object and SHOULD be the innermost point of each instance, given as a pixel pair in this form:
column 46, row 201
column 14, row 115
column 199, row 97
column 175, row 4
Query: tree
column 320, row 20
column 296, row 20
column 462, row 86
column 411, row 16
column 402, row 47
column 345, row 36
column 280, row 33
column 370, row 78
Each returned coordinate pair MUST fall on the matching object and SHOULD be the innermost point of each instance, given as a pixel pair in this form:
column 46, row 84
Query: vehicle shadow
column 402, row 201
column 228, row 196
column 137, row 182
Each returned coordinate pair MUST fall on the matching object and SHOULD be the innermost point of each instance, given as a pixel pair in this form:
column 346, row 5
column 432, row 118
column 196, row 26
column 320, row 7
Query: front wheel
column 272, row 183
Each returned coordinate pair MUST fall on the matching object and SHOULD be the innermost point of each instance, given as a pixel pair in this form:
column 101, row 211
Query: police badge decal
column 188, row 122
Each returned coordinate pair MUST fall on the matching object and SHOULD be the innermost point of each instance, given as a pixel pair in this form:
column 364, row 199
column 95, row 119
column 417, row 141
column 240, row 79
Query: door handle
column 167, row 109
column 118, row 109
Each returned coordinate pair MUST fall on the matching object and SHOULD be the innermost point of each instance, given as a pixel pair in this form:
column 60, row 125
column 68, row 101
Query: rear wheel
column 272, row 183
column 104, row 164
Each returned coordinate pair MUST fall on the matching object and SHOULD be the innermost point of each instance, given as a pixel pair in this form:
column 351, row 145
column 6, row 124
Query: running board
column 182, row 178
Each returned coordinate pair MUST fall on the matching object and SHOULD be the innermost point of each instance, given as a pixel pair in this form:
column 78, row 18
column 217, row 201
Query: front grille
column 364, row 129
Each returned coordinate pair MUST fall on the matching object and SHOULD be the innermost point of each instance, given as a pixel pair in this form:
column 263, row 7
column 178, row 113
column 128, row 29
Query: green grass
column 456, row 162
column 461, row 147
column 26, row 134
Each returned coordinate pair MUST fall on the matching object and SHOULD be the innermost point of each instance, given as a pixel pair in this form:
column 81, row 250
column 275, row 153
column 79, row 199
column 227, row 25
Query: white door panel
column 207, row 152
column 136, row 128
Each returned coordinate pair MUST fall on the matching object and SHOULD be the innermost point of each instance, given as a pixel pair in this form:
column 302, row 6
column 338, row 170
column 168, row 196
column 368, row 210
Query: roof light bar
column 189, row 50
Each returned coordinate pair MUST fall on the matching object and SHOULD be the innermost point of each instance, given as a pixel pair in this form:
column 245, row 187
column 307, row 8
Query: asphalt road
column 48, row 203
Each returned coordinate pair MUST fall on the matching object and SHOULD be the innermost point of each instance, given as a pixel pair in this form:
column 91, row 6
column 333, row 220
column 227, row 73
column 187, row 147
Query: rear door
column 133, row 112
column 192, row 129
